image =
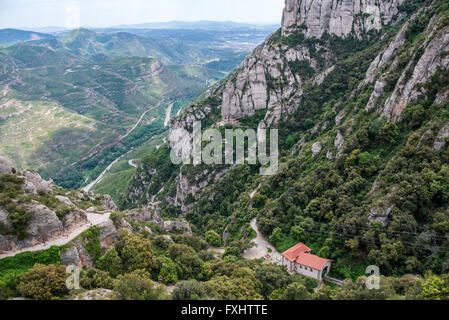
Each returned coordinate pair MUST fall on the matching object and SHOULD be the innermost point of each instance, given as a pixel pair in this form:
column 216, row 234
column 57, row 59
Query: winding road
column 94, row 219
column 101, row 176
column 262, row 248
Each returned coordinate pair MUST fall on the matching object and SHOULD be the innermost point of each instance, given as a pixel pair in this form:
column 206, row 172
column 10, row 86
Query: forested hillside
column 68, row 104
column 361, row 104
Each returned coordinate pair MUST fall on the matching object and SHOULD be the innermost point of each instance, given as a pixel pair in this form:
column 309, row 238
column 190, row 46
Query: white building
column 300, row 260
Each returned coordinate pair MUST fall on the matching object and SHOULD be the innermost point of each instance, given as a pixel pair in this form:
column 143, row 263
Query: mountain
column 359, row 93
column 199, row 25
column 68, row 105
column 84, row 41
column 8, row 36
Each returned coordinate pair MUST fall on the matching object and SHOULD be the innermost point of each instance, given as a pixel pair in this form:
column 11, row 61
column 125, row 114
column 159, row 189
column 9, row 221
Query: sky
column 107, row 13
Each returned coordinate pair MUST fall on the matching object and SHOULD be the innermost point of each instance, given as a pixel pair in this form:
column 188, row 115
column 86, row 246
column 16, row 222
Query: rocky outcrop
column 6, row 166
column 316, row 148
column 441, row 139
column 44, row 225
column 143, row 215
column 434, row 58
column 339, row 17
column 153, row 216
column 76, row 253
column 180, row 225
column 381, row 214
column 265, row 81
column 108, row 235
column 65, row 200
column 34, row 183
column 108, row 204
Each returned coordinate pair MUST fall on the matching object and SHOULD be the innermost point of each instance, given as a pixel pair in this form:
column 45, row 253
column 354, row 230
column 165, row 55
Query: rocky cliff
column 33, row 210
column 359, row 92
column 270, row 84
column 314, row 18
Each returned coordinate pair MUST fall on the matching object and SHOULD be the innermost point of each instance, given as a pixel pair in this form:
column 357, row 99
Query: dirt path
column 94, row 220
column 132, row 163
column 262, row 248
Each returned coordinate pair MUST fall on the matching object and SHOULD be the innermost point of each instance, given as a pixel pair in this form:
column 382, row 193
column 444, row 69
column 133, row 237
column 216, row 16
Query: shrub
column 138, row 286
column 192, row 290
column 213, row 238
column 44, row 282
column 94, row 278
column 167, row 270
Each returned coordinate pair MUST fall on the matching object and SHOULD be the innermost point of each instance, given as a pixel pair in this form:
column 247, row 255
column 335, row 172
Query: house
column 300, row 260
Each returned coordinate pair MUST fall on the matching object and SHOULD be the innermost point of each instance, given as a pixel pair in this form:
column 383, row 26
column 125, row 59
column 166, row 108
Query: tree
column 272, row 277
column 44, row 282
column 111, row 262
column 213, row 238
column 235, row 288
column 436, row 287
column 187, row 260
column 294, row 291
column 167, row 270
column 193, row 290
column 276, row 236
column 135, row 252
column 137, row 285
column 94, row 278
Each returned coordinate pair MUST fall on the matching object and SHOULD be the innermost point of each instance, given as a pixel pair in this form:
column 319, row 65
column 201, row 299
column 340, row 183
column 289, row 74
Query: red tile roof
column 293, row 253
column 312, row 261
column 300, row 253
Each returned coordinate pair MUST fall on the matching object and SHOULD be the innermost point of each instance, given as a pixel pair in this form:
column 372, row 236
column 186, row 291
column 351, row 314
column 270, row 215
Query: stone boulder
column 44, row 225
column 65, row 200
column 34, row 183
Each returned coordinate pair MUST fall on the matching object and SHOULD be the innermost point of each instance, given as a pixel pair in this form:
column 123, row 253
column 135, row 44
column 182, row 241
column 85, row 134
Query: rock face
column 153, row 216
column 179, row 225
column 440, row 142
column 108, row 204
column 108, row 235
column 44, row 224
column 6, row 166
column 339, row 17
column 316, row 148
column 77, row 254
column 34, row 183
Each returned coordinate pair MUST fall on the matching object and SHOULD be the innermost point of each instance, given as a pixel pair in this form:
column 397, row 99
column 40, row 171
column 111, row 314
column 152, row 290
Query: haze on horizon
column 108, row 13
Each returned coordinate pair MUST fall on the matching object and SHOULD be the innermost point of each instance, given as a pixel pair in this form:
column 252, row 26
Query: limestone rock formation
column 339, row 17
column 6, row 166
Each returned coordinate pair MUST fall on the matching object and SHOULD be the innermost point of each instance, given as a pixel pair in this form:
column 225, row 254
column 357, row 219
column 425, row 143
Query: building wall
column 305, row 271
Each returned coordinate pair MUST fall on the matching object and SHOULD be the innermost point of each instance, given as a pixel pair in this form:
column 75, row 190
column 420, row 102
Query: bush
column 213, row 238
column 111, row 262
column 138, row 286
column 44, row 282
column 94, row 278
column 192, row 290
column 167, row 270
column 135, row 252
